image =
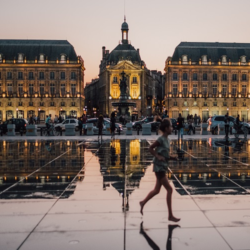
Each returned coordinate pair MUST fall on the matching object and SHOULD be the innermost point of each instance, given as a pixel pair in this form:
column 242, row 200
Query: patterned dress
column 163, row 149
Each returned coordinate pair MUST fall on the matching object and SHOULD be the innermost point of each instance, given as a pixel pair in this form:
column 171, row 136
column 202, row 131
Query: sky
column 156, row 27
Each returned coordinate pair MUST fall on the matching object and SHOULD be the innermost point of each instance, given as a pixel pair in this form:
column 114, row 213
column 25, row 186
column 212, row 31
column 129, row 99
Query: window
column 41, row 58
column 185, row 89
column 244, row 104
column 1, row 58
column 243, row 60
column 31, row 104
column 234, row 89
column 0, row 75
column 215, row 77
column 195, row 88
column 52, row 88
column 115, row 79
column 214, row 89
column 63, row 59
column 224, row 59
column 52, row 75
column 31, row 76
column 224, row 89
column 73, row 75
column 185, row 104
column 195, row 78
column 20, row 75
column 41, row 75
column 20, row 58
column 204, row 59
column 9, row 103
column 244, row 77
column 42, row 104
column 205, row 104
column 225, row 104
column 73, row 89
column 215, row 104
column 204, row 88
column 205, row 77
column 42, row 89
column 134, row 79
column 52, row 104
column 63, row 90
column 224, row 77
column 234, row 104
column 185, row 76
column 9, row 88
column 73, row 104
column 20, row 89
column 63, row 75
column 195, row 103
column 20, row 104
column 175, row 89
column 175, row 76
column 63, row 104
column 234, row 77
column 244, row 89
column 175, row 104
column 31, row 89
column 9, row 75
column 184, row 59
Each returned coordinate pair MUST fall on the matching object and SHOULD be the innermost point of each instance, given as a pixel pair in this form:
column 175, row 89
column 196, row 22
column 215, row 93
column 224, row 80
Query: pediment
column 126, row 65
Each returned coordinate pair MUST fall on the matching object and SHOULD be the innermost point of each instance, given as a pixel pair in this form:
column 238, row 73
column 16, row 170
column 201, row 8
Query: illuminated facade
column 208, row 79
column 139, row 80
column 40, row 77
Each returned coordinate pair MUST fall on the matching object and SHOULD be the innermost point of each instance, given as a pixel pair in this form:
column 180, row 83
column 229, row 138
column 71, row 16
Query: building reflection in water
column 39, row 169
column 125, row 167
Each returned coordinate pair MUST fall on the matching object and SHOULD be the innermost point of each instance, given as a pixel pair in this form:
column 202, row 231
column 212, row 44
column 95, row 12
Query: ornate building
column 40, row 77
column 208, row 79
column 139, row 80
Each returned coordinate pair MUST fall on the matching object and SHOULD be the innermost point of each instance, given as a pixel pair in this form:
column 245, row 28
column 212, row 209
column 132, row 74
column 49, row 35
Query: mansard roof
column 33, row 48
column 214, row 51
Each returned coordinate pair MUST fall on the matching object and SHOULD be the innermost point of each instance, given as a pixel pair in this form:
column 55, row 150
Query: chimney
column 138, row 51
column 103, row 52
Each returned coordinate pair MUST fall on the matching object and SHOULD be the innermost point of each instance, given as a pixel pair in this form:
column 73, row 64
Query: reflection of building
column 20, row 159
column 40, row 77
column 124, row 169
column 139, row 80
column 208, row 79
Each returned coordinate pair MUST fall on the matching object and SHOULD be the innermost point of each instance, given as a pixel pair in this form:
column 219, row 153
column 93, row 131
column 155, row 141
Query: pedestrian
column 160, row 149
column 180, row 125
column 38, row 119
column 209, row 122
column 84, row 119
column 31, row 120
column 112, row 124
column 56, row 119
column 195, row 120
column 47, row 122
column 80, row 125
column 226, row 121
column 60, row 119
column 100, row 127
column 190, row 125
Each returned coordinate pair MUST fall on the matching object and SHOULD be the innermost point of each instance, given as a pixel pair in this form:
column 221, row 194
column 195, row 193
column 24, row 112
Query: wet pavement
column 82, row 195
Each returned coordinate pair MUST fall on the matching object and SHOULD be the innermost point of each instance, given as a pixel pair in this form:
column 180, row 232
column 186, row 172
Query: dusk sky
column 156, row 27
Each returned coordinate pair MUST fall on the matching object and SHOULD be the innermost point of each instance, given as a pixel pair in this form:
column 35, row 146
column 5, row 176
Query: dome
column 125, row 26
column 124, row 52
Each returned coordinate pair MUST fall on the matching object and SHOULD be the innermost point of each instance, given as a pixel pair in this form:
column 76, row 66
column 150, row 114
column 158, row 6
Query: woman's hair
column 165, row 124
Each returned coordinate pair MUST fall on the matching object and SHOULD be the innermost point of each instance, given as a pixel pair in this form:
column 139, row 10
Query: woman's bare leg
column 166, row 184
column 151, row 194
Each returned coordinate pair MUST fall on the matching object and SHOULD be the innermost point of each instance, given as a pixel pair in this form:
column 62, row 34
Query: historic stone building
column 40, row 77
column 139, row 80
column 208, row 79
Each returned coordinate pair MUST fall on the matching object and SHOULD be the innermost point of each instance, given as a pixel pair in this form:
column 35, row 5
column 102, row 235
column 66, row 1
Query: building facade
column 124, row 58
column 40, row 77
column 208, row 79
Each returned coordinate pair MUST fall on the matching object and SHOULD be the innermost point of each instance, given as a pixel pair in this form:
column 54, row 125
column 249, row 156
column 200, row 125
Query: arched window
column 1, row 58
column 204, row 59
column 184, row 59
column 63, row 58
column 41, row 58
column 224, row 60
column 243, row 60
column 20, row 58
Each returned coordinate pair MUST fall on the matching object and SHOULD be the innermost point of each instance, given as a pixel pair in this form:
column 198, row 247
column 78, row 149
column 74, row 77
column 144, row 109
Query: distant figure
column 226, row 120
column 31, row 120
column 180, row 125
column 195, row 120
column 84, row 119
column 160, row 149
column 112, row 124
column 100, row 127
column 80, row 125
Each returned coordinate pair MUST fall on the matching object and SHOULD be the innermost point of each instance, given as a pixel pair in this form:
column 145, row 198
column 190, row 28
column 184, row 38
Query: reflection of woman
column 152, row 243
column 100, row 127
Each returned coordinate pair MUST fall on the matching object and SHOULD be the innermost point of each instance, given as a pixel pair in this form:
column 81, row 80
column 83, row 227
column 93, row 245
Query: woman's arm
column 153, row 152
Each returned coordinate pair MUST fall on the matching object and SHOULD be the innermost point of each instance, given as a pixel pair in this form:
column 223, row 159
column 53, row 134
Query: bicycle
column 51, row 131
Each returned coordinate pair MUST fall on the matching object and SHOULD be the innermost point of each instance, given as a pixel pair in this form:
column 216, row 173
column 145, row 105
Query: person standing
column 80, row 125
column 100, row 127
column 112, row 124
column 47, row 123
column 180, row 125
column 226, row 121
column 195, row 120
column 160, row 149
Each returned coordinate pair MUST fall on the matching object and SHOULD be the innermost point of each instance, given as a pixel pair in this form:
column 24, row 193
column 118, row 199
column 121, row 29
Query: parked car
column 106, row 120
column 67, row 121
column 20, row 124
column 219, row 119
column 138, row 124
